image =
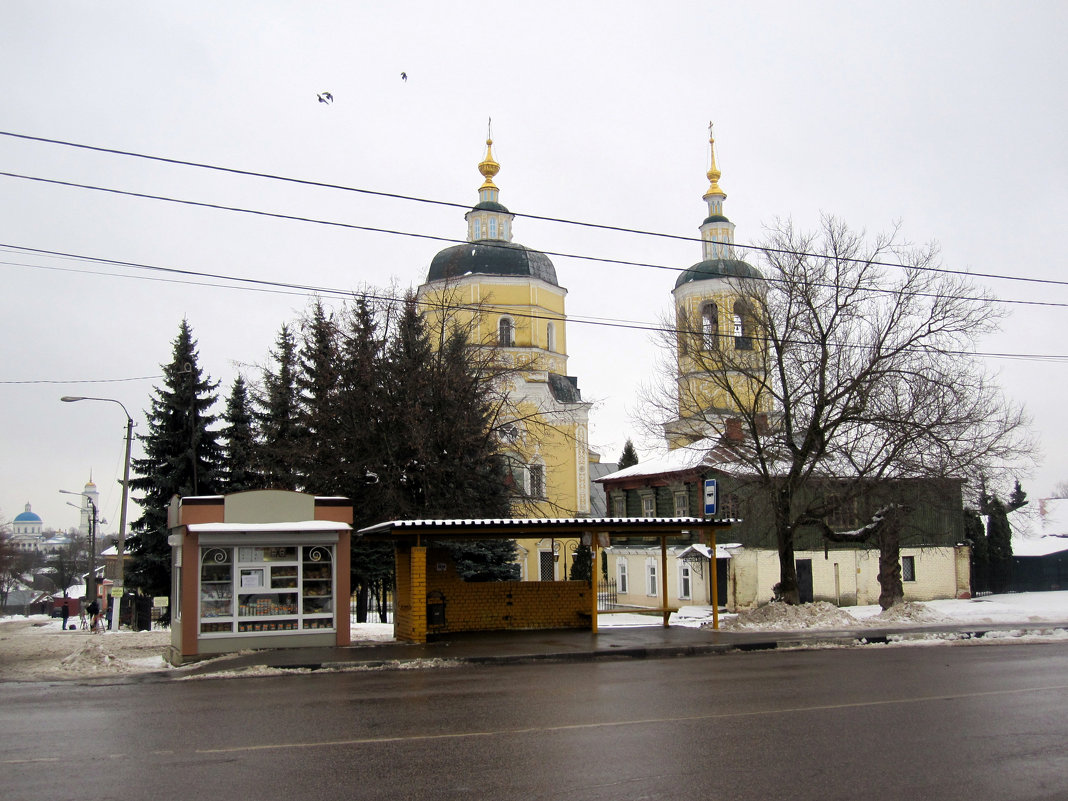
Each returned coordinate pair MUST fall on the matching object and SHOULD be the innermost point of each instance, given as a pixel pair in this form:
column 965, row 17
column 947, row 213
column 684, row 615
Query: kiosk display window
column 262, row 590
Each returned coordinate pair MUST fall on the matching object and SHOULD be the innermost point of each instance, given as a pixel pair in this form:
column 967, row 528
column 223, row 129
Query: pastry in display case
column 259, row 590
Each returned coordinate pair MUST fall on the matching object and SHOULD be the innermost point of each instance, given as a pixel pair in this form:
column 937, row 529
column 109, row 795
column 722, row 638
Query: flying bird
column 404, row 76
column 325, row 97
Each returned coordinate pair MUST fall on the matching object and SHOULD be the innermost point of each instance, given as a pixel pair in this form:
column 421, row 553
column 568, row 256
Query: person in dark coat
column 94, row 616
column 64, row 610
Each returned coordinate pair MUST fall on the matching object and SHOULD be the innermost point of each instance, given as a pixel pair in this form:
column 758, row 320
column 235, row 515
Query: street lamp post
column 120, row 570
column 90, row 582
column 560, row 549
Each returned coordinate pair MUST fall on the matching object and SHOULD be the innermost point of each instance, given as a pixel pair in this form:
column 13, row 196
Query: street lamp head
column 74, row 398
column 88, row 498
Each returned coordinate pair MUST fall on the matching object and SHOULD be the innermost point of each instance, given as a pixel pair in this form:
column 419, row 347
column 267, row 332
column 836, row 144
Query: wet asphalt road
column 974, row 722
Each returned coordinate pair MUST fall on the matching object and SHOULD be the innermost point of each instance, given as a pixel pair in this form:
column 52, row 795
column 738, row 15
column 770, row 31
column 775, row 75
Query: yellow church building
column 715, row 322
column 508, row 295
column 721, row 386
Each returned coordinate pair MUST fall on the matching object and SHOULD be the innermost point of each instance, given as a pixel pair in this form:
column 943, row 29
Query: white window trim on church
column 506, row 332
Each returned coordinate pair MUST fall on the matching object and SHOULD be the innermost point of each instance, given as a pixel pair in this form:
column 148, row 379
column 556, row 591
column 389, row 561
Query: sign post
column 710, row 511
column 710, row 497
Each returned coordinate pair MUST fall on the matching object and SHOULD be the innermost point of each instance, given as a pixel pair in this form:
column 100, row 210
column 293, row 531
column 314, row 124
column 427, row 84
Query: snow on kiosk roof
column 299, row 525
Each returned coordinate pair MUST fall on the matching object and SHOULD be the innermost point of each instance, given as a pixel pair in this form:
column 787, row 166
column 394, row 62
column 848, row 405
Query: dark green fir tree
column 999, row 535
column 318, row 385
column 278, row 416
column 976, row 535
column 629, row 456
column 447, row 459
column 239, row 442
column 582, row 564
column 360, row 434
column 182, row 457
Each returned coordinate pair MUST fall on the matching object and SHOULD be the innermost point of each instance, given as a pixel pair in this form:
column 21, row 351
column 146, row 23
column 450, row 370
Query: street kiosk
column 261, row 569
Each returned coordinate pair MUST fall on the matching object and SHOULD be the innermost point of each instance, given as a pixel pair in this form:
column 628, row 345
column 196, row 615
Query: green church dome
column 490, row 205
column 710, row 269
column 491, row 257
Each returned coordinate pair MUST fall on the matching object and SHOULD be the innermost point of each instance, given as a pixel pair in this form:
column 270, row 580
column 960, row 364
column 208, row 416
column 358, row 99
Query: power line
column 53, row 268
column 87, row 380
column 559, row 254
column 259, row 284
column 450, row 204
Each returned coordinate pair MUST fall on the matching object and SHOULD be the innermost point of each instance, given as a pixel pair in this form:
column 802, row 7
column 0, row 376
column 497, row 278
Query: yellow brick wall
column 409, row 619
column 482, row 606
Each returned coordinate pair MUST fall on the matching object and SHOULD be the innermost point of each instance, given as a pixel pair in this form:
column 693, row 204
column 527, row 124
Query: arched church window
column 536, row 474
column 505, row 333
column 477, row 232
column 493, row 228
column 743, row 339
column 515, row 474
column 550, row 337
column 710, row 326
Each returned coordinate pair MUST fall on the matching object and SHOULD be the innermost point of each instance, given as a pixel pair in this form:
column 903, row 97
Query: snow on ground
column 1023, row 608
column 36, row 649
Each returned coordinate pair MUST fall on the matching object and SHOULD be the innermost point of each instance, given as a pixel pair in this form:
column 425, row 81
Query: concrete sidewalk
column 515, row 647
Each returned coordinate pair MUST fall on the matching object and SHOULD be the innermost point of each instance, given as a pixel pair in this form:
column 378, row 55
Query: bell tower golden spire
column 488, row 166
column 717, row 232
column 713, row 173
column 489, row 219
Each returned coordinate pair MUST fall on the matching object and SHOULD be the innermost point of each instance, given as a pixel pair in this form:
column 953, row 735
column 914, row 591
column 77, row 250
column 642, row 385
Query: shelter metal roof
column 540, row 527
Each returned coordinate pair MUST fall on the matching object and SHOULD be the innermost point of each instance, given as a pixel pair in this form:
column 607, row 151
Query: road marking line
column 28, row 761
column 619, row 723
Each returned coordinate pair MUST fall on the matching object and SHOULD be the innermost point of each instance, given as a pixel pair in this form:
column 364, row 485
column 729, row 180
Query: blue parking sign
column 710, row 497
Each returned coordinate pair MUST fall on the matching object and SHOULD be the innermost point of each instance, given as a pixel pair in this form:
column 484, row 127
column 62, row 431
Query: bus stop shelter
column 424, row 589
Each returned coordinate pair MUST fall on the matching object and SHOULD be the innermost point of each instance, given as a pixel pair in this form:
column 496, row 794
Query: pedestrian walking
column 64, row 610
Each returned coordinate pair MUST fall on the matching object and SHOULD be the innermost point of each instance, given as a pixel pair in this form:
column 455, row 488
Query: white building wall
column 844, row 578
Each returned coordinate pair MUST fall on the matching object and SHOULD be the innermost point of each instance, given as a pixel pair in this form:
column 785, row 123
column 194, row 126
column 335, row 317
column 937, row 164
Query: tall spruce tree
column 976, row 535
column 182, row 457
column 582, row 564
column 360, row 429
column 446, row 459
column 999, row 535
column 277, row 416
column 239, row 441
column 629, row 456
column 318, row 385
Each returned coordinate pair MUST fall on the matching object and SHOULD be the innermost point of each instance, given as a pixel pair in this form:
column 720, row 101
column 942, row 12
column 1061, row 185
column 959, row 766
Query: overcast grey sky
column 948, row 116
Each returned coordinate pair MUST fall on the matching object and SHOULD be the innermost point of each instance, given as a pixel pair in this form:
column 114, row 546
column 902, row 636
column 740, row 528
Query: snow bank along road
column 36, row 649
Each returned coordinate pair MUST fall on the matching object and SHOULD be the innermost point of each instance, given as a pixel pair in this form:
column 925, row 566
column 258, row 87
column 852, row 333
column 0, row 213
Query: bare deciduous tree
column 848, row 372
column 68, row 564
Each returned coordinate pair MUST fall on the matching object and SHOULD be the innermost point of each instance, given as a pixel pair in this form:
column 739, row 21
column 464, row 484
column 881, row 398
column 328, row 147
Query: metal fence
column 379, row 610
column 607, row 597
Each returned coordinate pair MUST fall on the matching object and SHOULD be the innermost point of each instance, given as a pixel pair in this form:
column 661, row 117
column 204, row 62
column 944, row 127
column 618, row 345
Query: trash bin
column 142, row 606
column 435, row 608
